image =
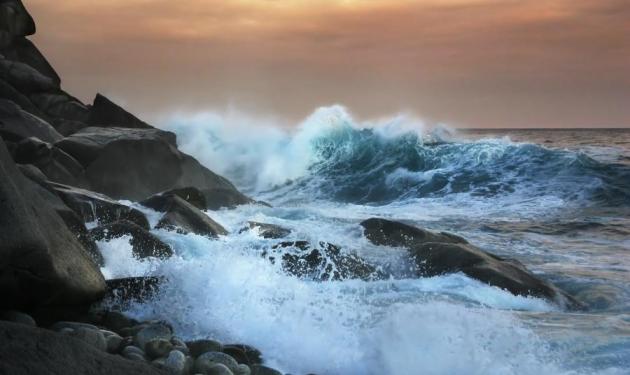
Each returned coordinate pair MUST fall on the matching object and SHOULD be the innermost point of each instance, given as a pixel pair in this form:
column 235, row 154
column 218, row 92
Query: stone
column 61, row 325
column 18, row 317
column 244, row 354
column 116, row 321
column 183, row 217
column 206, row 360
column 24, row 78
column 133, row 350
column 9, row 93
column 243, row 370
column 158, row 348
column 23, row 50
column 17, row 124
column 271, row 231
column 15, row 21
column 91, row 206
column 395, row 234
column 133, row 289
column 152, row 332
column 41, row 262
column 264, row 370
column 198, row 347
column 104, row 113
column 32, row 350
column 144, row 244
column 322, row 263
column 176, row 362
column 191, row 195
column 114, row 343
column 218, row 369
column 59, row 104
column 93, row 337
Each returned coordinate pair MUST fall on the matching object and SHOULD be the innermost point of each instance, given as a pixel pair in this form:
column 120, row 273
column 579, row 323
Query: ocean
column 556, row 200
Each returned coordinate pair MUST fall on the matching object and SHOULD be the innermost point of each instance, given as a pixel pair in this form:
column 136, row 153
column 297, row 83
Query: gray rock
column 116, row 321
column 23, row 50
column 58, row 326
column 152, row 332
column 205, row 361
column 92, row 337
column 243, row 369
column 176, row 362
column 24, row 78
column 191, row 195
column 114, row 343
column 182, row 348
column 264, row 370
column 243, row 354
column 128, row 290
column 133, row 350
column 15, row 22
column 198, row 347
column 218, row 369
column 158, row 348
column 60, row 104
column 17, row 124
column 106, row 113
column 134, row 357
column 144, row 244
column 18, row 317
column 268, row 230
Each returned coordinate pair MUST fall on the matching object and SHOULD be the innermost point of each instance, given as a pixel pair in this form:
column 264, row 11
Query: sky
column 466, row 63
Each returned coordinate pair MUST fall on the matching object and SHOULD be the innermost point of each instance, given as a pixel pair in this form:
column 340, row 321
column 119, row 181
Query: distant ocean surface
column 556, row 200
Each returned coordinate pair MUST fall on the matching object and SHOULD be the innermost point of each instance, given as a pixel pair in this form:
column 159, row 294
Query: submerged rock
column 441, row 253
column 144, row 244
column 183, row 216
column 324, row 262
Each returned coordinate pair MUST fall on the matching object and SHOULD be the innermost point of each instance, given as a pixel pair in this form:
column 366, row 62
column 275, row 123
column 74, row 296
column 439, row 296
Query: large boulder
column 17, row 124
column 134, row 164
column 25, row 78
column 9, row 92
column 15, row 21
column 23, row 50
column 57, row 165
column 59, row 104
column 182, row 216
column 443, row 253
column 322, row 262
column 41, row 261
column 105, row 113
column 144, row 244
column 31, row 350
column 93, row 206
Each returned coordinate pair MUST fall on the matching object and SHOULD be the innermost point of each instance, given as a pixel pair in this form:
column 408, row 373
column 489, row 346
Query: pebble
column 242, row 369
column 198, row 347
column 152, row 332
column 128, row 350
column 158, row 348
column 207, row 360
column 218, row 369
column 176, row 361
column 114, row 343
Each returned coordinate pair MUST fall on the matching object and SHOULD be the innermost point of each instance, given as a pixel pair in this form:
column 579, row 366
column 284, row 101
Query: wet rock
column 158, row 348
column 183, row 217
column 264, row 370
column 46, row 266
column 116, row 321
column 17, row 124
column 105, row 113
column 191, row 195
column 18, row 317
column 244, row 354
column 198, row 347
column 243, row 370
column 114, row 343
column 218, row 369
column 204, row 362
column 272, row 231
column 144, row 244
column 391, row 233
column 92, row 337
column 133, row 289
column 152, row 332
column 176, row 362
column 324, row 262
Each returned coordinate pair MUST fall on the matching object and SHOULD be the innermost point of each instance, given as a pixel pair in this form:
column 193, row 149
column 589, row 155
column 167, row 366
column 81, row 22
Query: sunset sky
column 472, row 63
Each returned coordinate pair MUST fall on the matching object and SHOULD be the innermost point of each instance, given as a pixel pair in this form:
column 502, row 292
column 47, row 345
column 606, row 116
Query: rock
column 131, row 349
column 17, row 124
column 218, row 369
column 104, row 112
column 244, row 354
column 93, row 206
column 176, row 362
column 158, row 348
column 114, row 343
column 144, row 243
column 18, row 317
column 272, row 231
column 264, row 370
column 326, row 262
column 391, row 233
column 152, row 332
column 15, row 21
column 56, row 165
column 92, row 337
column 33, row 173
column 205, row 361
column 133, row 289
column 198, row 347
column 437, row 254
column 137, row 163
column 59, row 104
column 191, row 195
column 61, row 325
column 23, row 50
column 243, row 370
column 116, row 321
column 182, row 216
column 24, row 78
column 9, row 93
column 31, row 350
column 41, row 261
column 67, row 127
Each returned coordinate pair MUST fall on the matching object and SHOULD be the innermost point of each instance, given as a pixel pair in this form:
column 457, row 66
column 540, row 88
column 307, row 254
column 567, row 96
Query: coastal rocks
column 24, row 78
column 17, row 124
column 144, row 244
column 152, row 332
column 31, row 350
column 205, row 362
column 244, row 354
column 15, row 21
column 106, row 113
column 132, row 289
column 24, row 51
column 59, row 104
column 324, row 262
column 183, row 216
column 269, row 231
column 198, row 347
column 191, row 195
column 441, row 253
column 41, row 262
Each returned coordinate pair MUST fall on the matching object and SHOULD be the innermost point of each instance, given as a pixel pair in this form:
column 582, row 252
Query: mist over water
column 562, row 212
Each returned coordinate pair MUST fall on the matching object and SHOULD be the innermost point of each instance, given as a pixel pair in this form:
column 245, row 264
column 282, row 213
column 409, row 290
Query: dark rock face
column 15, row 21
column 267, row 230
column 322, row 263
column 29, row 350
column 191, row 195
column 23, row 50
column 106, row 113
column 144, row 243
column 56, row 165
column 41, row 262
column 183, row 216
column 17, row 124
column 437, row 254
column 25, row 78
column 92, row 206
column 133, row 289
column 59, row 104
